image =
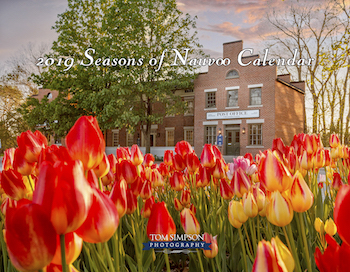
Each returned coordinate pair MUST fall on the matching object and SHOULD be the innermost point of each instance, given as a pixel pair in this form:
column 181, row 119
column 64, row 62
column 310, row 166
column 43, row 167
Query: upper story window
column 210, row 99
column 189, row 106
column 255, row 96
column 49, row 96
column 232, row 74
column 232, row 98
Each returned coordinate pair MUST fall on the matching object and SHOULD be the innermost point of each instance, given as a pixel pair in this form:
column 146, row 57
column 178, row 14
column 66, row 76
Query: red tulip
column 301, row 196
column 168, row 157
column 136, row 155
column 108, row 179
column 176, row 181
column 160, row 222
column 208, row 158
column 64, row 194
column 341, row 213
column 30, row 238
column 131, row 201
column 21, row 165
column 217, row 153
column 14, row 185
column 177, row 204
column 193, row 209
column 183, row 148
column 204, row 177
column 192, row 162
column 58, row 268
column 31, row 145
column 146, row 190
column 156, row 178
column 163, row 169
column 147, row 207
column 128, row 171
column 240, row 182
column 334, row 141
column 179, row 163
column 85, row 142
column 73, row 247
column 123, row 153
column 148, row 160
column 136, row 186
column 337, row 182
column 7, row 160
column 118, row 196
column 189, row 222
column 102, row 220
column 225, row 190
column 112, row 162
column 249, row 156
column 219, row 170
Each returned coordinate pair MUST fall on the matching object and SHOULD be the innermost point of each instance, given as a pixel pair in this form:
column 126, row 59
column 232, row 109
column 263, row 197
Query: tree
column 314, row 31
column 127, row 32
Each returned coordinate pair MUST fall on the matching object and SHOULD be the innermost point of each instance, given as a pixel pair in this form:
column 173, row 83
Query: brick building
column 248, row 105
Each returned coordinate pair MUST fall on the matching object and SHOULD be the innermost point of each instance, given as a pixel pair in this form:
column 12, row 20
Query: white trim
column 232, row 88
column 210, row 90
column 190, row 127
column 255, row 85
column 209, row 123
column 232, row 122
column 255, row 106
column 228, row 108
column 152, row 127
column 255, row 121
column 210, row 109
column 254, row 146
column 115, row 130
column 170, row 128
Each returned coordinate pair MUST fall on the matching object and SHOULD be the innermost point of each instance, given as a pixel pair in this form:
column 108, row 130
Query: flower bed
column 75, row 209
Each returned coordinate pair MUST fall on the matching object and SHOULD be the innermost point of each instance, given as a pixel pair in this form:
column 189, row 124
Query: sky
column 218, row 21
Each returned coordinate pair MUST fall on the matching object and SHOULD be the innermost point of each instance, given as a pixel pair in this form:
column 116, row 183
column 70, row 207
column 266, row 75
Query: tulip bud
column 225, row 190
column 7, row 160
column 204, row 177
column 185, row 198
column 136, row 155
column 179, row 163
column 249, row 205
column 102, row 169
column 193, row 209
column 265, row 258
column 123, row 153
column 219, row 170
column 319, row 225
column 273, row 174
column 189, row 222
column 236, row 211
column 14, row 185
column 319, row 158
column 156, row 178
column 160, row 222
column 208, row 238
column 192, row 162
column 148, row 160
column 208, row 158
column 240, row 182
column 112, row 163
column 337, row 181
column 329, row 227
column 31, row 145
column 327, row 158
column 301, row 196
column 183, row 148
column 128, row 171
column 131, row 201
column 178, row 205
column 146, row 191
column 283, row 254
column 21, row 165
column 334, row 140
column 279, row 211
column 168, row 157
column 147, row 207
column 176, row 181
column 259, row 197
column 118, row 196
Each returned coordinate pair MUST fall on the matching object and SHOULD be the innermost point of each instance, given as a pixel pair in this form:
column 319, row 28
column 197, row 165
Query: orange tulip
column 179, row 163
column 204, row 177
column 185, row 198
column 118, row 196
column 147, row 207
column 131, row 200
column 192, row 162
column 208, row 238
column 225, row 190
column 30, row 237
column 301, row 196
column 176, row 181
column 273, row 174
column 189, row 222
column 31, row 145
column 183, row 148
column 14, row 185
column 21, row 165
column 169, row 157
column 265, row 258
column 160, row 222
column 156, row 178
column 177, row 204
column 148, row 160
column 146, row 190
column 64, row 194
column 219, row 170
column 208, row 158
column 136, row 155
column 240, row 182
column 102, row 169
column 112, row 162
column 334, row 141
column 85, row 142
column 7, row 160
column 128, row 171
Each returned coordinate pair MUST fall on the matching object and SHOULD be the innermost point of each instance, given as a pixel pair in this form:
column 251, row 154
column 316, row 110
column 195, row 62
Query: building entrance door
column 232, row 141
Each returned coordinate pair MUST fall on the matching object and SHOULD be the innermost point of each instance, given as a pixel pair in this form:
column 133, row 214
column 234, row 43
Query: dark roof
column 233, row 42
column 290, row 85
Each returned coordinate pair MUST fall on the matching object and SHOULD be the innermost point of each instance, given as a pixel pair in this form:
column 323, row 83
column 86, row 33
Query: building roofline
column 233, row 42
column 256, row 55
column 291, row 86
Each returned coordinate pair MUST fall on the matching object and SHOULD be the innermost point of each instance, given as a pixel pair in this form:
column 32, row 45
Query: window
column 255, row 96
column 188, row 135
column 189, row 106
column 115, row 137
column 232, row 74
column 232, row 98
column 130, row 139
column 210, row 135
column 210, row 101
column 255, row 134
column 170, row 136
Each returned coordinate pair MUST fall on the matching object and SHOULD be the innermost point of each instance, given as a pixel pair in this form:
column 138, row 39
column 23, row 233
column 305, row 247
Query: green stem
column 306, row 247
column 252, row 231
column 137, row 252
column 63, row 253
column 212, row 265
column 116, row 251
column 247, row 236
column 243, row 250
column 258, row 227
column 100, row 184
column 294, row 251
column 109, row 258
column 166, row 257
column 200, row 260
